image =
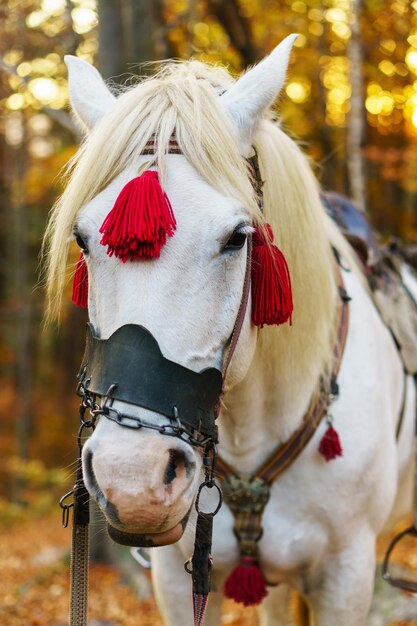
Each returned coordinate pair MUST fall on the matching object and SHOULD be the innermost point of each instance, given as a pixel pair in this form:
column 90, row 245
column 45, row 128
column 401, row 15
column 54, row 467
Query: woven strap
column 78, row 610
column 79, row 575
column 282, row 457
column 150, row 148
column 252, row 163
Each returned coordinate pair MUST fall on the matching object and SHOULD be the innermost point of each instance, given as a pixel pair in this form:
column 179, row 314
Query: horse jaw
column 89, row 96
column 246, row 101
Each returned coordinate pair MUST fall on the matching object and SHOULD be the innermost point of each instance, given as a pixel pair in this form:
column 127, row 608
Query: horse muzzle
column 144, row 483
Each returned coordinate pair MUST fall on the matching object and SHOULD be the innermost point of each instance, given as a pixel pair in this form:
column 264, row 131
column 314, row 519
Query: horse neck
column 269, row 404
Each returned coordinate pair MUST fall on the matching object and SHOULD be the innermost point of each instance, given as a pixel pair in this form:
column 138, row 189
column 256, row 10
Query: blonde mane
column 183, row 98
column 293, row 208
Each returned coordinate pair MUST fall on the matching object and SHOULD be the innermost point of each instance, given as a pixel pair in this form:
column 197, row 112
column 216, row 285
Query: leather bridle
column 189, row 400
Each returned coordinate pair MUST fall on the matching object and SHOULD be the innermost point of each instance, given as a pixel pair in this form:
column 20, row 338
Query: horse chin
column 149, row 540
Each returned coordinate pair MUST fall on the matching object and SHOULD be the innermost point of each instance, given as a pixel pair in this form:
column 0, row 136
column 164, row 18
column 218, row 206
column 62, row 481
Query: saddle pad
column 382, row 268
column 397, row 307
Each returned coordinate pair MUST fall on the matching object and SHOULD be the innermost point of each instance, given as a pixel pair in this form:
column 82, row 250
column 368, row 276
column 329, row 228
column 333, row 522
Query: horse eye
column 236, row 241
column 80, row 242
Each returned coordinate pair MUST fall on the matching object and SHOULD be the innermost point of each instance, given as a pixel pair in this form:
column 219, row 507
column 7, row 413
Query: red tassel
column 140, row 220
column 246, row 583
column 80, row 283
column 330, row 446
column 271, row 283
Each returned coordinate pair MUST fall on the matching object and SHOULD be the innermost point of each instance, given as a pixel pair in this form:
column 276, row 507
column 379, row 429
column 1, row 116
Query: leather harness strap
column 285, row 454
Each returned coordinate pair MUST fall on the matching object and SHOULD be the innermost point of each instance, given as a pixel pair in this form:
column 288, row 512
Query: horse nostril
column 88, row 462
column 176, row 462
column 89, row 476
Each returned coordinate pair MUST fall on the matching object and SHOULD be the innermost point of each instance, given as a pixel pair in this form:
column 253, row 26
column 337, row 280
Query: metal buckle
column 178, row 429
column 81, row 380
column 108, row 398
column 66, row 507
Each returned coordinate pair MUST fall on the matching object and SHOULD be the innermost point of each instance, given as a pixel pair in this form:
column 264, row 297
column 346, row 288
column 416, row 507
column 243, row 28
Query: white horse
column 322, row 519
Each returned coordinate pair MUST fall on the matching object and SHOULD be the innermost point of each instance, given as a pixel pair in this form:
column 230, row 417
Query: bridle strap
column 241, row 313
column 283, row 456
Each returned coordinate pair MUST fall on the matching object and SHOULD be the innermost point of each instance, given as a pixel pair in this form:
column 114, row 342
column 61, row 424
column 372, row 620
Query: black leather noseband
column 130, row 366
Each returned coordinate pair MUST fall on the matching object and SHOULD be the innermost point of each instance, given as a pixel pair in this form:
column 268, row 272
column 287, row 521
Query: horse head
column 186, row 298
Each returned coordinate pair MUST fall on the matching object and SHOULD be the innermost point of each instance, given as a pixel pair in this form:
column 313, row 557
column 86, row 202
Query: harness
column 190, row 401
column 247, row 495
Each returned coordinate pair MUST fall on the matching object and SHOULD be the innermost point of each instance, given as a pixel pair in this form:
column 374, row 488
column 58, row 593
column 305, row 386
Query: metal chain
column 174, row 428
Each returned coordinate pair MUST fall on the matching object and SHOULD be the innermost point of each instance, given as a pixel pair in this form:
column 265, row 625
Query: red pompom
column 140, row 220
column 271, row 283
column 80, row 283
column 330, row 446
column 246, row 583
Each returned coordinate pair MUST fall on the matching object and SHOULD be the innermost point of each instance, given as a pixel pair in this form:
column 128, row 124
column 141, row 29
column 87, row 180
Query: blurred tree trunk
column 140, row 27
column 126, row 32
column 356, row 117
column 111, row 51
column 237, row 26
column 327, row 177
column 4, row 203
column 163, row 47
column 20, row 298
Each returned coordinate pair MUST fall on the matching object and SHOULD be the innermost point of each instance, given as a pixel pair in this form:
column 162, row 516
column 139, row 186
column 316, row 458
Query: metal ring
column 400, row 583
column 66, row 507
column 188, row 566
column 209, row 484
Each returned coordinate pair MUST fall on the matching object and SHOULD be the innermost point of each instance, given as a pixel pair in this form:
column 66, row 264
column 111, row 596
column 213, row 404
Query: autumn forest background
column 350, row 100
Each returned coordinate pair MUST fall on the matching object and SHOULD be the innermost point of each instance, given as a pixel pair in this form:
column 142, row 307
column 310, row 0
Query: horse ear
column 247, row 99
column 89, row 96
